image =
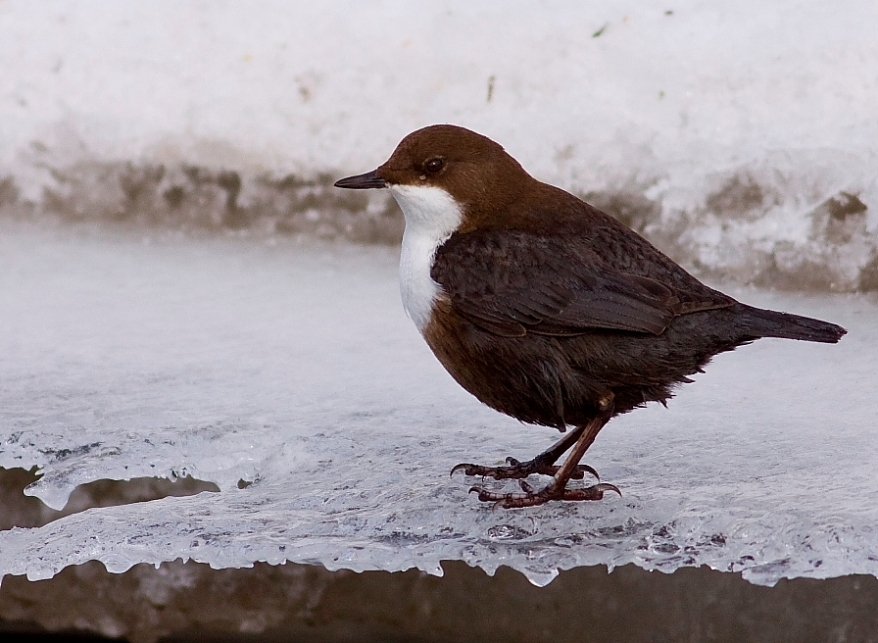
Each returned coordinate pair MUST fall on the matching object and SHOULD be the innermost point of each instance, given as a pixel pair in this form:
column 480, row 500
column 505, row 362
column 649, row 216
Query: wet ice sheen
column 293, row 366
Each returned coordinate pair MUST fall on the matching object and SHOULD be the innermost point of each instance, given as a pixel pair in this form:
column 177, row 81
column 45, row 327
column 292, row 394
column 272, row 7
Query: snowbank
column 740, row 137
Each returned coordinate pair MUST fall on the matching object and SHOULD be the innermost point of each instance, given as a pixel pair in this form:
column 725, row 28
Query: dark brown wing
column 511, row 283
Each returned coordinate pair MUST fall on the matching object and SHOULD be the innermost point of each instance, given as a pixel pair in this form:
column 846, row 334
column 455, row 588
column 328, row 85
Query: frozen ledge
column 287, row 375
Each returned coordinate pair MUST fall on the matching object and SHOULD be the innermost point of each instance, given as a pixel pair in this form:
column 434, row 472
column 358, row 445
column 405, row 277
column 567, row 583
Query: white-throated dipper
column 546, row 308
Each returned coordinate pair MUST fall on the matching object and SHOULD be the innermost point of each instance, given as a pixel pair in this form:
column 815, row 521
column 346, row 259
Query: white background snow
column 673, row 91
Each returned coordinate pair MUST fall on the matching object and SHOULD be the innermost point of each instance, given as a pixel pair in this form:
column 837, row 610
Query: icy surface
column 744, row 129
column 293, row 367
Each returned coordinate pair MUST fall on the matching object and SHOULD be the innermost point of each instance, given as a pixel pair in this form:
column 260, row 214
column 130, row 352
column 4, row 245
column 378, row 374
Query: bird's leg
column 543, row 463
column 557, row 489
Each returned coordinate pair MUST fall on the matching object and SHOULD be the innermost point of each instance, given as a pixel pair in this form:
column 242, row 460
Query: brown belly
column 558, row 381
column 528, row 378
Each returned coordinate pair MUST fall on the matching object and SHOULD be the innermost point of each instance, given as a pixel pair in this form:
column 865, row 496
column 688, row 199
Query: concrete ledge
column 189, row 602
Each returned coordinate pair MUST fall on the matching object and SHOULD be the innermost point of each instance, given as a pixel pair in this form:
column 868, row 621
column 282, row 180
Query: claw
column 606, row 486
column 483, row 493
column 476, row 470
column 584, row 468
column 465, row 467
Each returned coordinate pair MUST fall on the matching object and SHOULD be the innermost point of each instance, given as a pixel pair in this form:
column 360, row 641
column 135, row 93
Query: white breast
column 431, row 216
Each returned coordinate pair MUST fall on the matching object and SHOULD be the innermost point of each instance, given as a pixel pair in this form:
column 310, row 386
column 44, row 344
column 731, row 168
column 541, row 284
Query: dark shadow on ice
column 20, row 510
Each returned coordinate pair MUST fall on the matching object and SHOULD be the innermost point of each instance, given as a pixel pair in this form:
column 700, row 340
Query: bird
column 547, row 309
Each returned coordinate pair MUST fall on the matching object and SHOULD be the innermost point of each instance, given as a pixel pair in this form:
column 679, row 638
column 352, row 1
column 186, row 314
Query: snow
column 292, row 366
column 679, row 102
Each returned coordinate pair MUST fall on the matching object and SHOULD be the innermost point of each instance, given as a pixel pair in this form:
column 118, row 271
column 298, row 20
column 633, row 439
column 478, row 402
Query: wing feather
column 513, row 283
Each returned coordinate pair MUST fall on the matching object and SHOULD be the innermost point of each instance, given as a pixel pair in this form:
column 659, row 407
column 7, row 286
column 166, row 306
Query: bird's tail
column 768, row 323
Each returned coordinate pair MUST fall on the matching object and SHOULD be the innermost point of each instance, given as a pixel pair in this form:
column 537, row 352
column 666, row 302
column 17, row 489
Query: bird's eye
column 434, row 165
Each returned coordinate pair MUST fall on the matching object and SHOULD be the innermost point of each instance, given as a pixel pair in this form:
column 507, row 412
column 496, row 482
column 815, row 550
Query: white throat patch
column 431, row 216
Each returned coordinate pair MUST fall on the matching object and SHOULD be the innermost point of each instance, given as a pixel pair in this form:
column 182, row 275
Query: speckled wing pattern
column 513, row 283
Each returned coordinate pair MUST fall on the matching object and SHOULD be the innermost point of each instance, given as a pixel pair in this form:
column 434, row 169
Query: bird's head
column 445, row 163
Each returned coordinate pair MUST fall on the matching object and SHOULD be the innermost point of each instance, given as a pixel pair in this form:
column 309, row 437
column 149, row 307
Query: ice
column 291, row 366
column 741, row 137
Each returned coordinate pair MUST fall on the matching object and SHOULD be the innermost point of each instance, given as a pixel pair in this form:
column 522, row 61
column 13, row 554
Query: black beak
column 362, row 181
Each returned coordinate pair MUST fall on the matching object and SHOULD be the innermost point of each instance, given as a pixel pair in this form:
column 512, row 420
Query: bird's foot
column 516, row 469
column 552, row 491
